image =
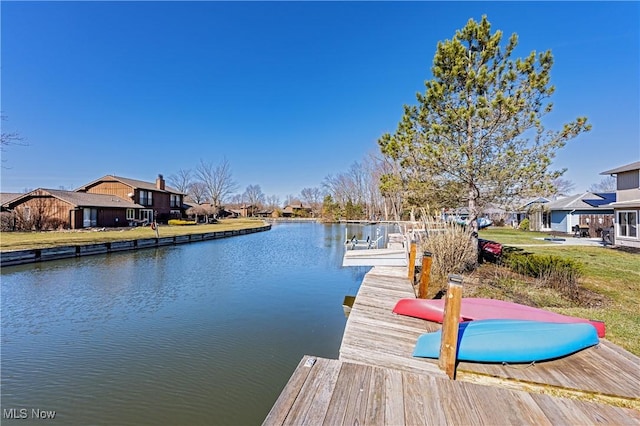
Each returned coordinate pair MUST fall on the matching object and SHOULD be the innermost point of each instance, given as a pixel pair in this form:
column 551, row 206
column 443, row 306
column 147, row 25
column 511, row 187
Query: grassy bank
column 36, row 240
column 610, row 282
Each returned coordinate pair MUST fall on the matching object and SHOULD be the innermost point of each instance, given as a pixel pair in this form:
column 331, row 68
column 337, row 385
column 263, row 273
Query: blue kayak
column 513, row 341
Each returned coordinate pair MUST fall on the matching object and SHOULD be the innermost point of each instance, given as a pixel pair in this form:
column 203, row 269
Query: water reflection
column 204, row 333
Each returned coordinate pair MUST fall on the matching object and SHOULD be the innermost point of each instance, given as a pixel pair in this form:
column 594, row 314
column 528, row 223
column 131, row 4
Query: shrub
column 552, row 271
column 180, row 222
column 524, row 225
column 451, row 246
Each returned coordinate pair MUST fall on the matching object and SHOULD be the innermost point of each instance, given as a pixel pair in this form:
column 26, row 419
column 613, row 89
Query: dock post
column 450, row 325
column 425, row 275
column 411, row 273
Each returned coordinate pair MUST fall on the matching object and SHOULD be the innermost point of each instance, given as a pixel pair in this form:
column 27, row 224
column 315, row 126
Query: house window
column 628, row 224
column 26, row 213
column 146, row 198
column 175, row 214
column 146, row 214
column 175, row 200
column 131, row 214
column 89, row 217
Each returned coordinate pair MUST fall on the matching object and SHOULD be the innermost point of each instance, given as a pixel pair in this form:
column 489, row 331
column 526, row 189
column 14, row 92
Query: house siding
column 112, row 188
column 42, row 206
column 628, row 180
column 559, row 221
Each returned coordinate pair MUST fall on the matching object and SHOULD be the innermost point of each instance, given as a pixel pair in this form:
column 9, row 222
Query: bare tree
column 218, row 180
column 562, row 186
column 272, row 202
column 607, row 184
column 198, row 192
column 313, row 197
column 253, row 196
column 359, row 188
column 181, row 180
column 290, row 200
column 236, row 200
column 9, row 138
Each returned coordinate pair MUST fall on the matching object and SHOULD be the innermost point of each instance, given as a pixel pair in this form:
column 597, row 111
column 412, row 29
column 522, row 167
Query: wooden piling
column 411, row 273
column 425, row 275
column 450, row 324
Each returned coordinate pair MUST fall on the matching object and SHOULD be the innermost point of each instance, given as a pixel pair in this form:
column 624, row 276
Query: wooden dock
column 377, row 381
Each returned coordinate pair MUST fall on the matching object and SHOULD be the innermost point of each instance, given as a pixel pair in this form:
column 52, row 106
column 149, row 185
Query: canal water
column 202, row 333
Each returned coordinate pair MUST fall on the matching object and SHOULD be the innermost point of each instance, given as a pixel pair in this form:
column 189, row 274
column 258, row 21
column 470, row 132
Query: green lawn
column 611, row 273
column 34, row 240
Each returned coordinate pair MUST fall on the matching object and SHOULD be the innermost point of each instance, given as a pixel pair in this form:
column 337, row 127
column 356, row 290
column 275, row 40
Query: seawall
column 19, row 257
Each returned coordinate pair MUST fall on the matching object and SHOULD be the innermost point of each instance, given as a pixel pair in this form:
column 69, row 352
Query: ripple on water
column 198, row 333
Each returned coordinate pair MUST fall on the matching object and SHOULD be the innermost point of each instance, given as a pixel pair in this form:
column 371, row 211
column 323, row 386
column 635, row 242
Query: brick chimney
column 160, row 182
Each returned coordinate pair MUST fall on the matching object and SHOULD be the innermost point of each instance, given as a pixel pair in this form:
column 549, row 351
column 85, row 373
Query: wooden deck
column 377, row 381
column 333, row 392
column 375, row 257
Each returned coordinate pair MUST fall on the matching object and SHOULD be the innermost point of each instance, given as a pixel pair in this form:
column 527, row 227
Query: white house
column 627, row 205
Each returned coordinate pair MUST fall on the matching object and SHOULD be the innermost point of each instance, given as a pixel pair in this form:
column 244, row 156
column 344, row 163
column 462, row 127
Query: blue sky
column 287, row 92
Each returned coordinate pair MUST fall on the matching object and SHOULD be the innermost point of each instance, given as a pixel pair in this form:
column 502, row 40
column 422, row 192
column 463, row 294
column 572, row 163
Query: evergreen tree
column 476, row 135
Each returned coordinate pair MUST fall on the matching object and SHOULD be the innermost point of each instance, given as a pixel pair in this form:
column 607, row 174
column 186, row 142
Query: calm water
column 203, row 333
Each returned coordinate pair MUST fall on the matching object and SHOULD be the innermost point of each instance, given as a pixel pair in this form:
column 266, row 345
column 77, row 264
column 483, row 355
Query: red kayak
column 479, row 309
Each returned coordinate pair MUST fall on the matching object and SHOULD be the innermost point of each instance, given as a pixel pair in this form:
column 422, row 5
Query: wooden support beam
column 411, row 273
column 425, row 275
column 450, row 325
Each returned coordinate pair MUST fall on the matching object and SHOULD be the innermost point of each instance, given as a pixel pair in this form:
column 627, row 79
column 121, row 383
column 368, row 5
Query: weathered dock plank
column 362, row 394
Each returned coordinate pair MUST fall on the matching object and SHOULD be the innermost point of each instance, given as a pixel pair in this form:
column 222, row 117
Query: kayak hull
column 472, row 309
column 512, row 341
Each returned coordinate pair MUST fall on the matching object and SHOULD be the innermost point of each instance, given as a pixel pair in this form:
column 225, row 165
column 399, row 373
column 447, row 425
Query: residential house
column 627, row 204
column 587, row 210
column 43, row 209
column 536, row 210
column 267, row 213
column 296, row 209
column 159, row 201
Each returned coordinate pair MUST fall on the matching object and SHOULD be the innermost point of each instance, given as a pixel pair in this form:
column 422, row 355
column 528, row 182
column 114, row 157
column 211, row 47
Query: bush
column 451, row 247
column 524, row 225
column 180, row 222
column 553, row 271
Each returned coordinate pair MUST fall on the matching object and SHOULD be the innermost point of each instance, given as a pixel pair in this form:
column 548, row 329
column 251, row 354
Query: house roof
column 629, row 204
column 5, row 197
column 626, row 168
column 82, row 199
column 604, row 198
column 536, row 200
column 298, row 205
column 134, row 183
column 585, row 201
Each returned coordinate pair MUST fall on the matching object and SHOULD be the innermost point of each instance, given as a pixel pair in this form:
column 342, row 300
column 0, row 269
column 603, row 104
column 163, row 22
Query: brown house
column 53, row 209
column 159, row 202
column 296, row 210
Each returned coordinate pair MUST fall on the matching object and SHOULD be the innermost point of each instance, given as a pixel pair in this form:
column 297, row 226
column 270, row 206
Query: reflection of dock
column 377, row 381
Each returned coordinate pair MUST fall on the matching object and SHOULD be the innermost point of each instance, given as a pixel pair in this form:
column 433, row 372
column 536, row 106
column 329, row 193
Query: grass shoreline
column 11, row 241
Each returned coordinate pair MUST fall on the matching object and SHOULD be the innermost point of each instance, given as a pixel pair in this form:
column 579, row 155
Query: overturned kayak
column 512, row 341
column 473, row 309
